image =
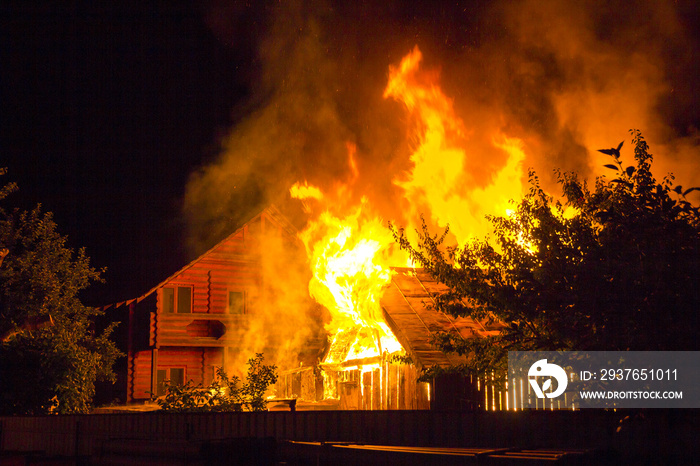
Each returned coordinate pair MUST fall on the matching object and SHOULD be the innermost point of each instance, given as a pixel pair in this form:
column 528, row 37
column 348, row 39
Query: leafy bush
column 223, row 394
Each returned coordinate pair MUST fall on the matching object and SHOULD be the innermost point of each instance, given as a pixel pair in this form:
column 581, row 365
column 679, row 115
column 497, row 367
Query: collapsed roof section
column 407, row 305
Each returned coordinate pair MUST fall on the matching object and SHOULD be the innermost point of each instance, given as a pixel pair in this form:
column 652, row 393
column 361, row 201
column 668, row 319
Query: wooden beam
column 154, row 370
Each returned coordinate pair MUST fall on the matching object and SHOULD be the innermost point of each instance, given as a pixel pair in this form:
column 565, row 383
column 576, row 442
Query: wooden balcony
column 197, row 329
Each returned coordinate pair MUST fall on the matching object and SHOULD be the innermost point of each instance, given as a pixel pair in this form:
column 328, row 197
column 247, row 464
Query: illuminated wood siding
column 186, row 322
column 388, row 386
column 140, row 380
column 193, row 360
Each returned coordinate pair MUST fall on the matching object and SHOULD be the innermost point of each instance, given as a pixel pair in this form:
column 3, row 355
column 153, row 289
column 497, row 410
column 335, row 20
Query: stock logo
column 542, row 371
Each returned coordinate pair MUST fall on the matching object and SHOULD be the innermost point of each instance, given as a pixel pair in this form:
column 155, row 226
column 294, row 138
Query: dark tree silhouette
column 612, row 268
column 50, row 354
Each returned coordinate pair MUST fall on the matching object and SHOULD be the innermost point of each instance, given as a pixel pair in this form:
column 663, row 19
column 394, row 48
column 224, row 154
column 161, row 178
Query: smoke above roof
column 566, row 78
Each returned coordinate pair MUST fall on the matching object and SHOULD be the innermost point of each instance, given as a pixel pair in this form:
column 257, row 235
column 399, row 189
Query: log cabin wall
column 198, row 313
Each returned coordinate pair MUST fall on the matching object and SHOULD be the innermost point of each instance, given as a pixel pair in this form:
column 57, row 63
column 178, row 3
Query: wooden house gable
column 199, row 303
column 184, row 326
column 205, row 302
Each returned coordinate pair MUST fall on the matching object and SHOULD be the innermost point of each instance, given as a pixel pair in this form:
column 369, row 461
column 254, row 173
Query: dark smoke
column 567, row 78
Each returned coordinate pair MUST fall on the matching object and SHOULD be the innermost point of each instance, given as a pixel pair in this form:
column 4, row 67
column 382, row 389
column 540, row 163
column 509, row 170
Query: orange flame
column 351, row 253
column 349, row 259
column 441, row 182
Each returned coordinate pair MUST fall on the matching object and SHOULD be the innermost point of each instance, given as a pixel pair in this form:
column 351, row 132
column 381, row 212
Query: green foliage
column 50, row 355
column 400, row 358
column 620, row 273
column 259, row 378
column 195, row 398
column 224, row 393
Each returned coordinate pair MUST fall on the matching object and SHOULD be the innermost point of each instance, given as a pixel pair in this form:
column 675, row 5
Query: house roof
column 407, row 305
column 270, row 213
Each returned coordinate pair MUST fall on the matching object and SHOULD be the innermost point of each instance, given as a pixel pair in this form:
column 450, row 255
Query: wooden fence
column 87, row 435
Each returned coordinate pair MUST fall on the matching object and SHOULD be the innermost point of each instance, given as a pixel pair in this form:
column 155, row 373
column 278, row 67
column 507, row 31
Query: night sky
column 108, row 108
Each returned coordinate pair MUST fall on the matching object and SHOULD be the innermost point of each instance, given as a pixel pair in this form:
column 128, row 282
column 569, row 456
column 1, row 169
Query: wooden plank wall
column 199, row 364
column 230, row 265
column 140, row 383
column 393, row 386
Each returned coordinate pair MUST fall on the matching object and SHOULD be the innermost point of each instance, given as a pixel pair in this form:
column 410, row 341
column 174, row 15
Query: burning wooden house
column 217, row 310
column 391, row 380
column 372, row 319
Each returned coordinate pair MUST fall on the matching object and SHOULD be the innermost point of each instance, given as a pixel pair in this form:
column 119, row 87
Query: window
column 177, row 299
column 236, row 302
column 176, row 376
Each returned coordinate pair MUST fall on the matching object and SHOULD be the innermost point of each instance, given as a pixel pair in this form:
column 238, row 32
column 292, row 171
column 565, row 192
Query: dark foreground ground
column 272, row 452
column 354, row 438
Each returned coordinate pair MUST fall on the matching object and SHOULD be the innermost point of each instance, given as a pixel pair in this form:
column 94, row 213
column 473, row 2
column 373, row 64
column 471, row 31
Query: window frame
column 244, row 305
column 160, row 385
column 176, row 298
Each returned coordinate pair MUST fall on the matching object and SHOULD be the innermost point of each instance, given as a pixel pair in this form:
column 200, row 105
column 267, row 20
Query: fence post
column 77, row 438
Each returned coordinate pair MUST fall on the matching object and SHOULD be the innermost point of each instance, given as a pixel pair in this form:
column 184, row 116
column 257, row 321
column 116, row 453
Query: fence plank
column 55, row 435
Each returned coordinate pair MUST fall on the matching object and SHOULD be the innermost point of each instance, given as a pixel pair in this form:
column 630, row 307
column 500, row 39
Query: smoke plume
column 565, row 77
column 284, row 323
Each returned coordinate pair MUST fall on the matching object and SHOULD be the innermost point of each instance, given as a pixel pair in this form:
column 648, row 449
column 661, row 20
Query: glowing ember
column 304, row 191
